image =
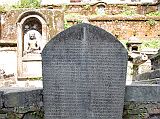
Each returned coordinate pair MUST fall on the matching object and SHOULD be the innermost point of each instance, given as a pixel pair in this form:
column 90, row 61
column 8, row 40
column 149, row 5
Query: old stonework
column 84, row 72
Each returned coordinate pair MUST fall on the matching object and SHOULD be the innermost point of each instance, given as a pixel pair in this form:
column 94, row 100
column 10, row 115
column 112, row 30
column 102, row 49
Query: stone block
column 22, row 98
column 84, row 72
column 142, row 93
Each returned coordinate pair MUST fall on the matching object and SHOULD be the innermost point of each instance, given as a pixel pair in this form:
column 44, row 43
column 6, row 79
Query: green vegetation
column 129, row 13
column 28, row 4
column 76, row 18
column 151, row 43
column 124, row 42
column 157, row 13
column 148, row 43
column 87, row 7
column 34, row 78
column 2, row 9
column 21, row 4
column 66, row 25
column 151, row 22
column 36, row 114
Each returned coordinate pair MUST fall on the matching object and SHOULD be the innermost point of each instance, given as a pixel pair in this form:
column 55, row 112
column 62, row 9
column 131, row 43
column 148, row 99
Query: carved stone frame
column 21, row 20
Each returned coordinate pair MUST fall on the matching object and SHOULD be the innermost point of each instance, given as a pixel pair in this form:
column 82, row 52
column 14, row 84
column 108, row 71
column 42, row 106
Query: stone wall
column 141, row 110
column 122, row 20
column 155, row 61
column 141, row 102
column 123, row 27
column 8, row 66
column 54, row 19
column 21, row 103
column 110, row 9
column 11, row 33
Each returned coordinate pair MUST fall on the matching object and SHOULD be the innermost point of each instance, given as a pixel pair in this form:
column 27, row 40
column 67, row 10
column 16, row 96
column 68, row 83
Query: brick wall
column 125, row 27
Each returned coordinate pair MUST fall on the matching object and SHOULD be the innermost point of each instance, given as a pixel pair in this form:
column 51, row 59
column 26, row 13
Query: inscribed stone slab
column 84, row 72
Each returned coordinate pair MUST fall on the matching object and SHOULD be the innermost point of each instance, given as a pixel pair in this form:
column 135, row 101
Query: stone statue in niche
column 32, row 42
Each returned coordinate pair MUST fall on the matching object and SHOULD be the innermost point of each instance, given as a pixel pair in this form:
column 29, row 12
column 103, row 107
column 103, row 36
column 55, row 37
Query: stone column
column 19, row 49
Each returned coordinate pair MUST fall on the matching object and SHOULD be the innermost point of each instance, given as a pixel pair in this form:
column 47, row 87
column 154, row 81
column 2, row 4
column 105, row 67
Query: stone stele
column 84, row 72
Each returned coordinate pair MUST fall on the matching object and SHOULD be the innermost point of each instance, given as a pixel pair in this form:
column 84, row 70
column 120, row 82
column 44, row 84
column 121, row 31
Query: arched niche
column 101, row 7
column 31, row 38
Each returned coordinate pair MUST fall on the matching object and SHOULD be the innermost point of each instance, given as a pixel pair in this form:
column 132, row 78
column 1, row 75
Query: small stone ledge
column 21, row 103
column 140, row 101
column 143, row 93
column 21, row 100
column 117, row 17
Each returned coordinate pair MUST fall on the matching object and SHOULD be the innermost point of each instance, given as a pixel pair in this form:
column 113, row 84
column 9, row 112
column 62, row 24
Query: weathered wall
column 8, row 66
column 9, row 35
column 122, row 20
column 110, row 9
column 9, row 59
column 141, row 102
column 121, row 26
column 141, row 110
column 54, row 19
column 124, row 27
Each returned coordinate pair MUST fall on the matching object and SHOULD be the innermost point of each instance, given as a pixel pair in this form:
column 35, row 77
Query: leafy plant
column 87, row 6
column 2, row 9
column 151, row 22
column 157, row 13
column 79, row 21
column 28, row 4
column 129, row 13
column 151, row 43
column 66, row 25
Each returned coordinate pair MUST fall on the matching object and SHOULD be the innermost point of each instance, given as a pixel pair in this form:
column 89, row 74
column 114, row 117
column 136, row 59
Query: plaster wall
column 8, row 61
